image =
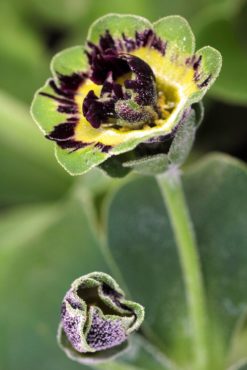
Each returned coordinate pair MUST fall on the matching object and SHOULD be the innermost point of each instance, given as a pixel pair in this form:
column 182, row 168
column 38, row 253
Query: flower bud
column 96, row 319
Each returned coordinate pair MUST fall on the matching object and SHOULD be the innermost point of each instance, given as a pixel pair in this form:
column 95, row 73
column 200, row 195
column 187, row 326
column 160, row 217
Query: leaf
column 142, row 244
column 219, row 219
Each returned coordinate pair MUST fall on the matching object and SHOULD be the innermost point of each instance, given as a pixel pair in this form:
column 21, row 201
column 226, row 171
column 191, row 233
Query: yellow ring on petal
column 175, row 80
column 170, row 68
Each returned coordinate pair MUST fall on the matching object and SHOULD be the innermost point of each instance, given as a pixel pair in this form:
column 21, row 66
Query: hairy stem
column 172, row 192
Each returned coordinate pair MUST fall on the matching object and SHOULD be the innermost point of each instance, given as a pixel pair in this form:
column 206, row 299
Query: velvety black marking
column 65, row 99
column 104, row 148
column 195, row 62
column 108, row 61
column 107, row 42
column 72, row 144
column 115, row 100
column 104, row 60
column 112, row 89
column 128, row 43
column 144, row 83
column 69, row 95
column 63, row 131
column 67, row 109
column 97, row 111
column 72, row 82
column 205, row 82
column 59, row 100
column 64, row 94
column 146, row 38
column 102, row 57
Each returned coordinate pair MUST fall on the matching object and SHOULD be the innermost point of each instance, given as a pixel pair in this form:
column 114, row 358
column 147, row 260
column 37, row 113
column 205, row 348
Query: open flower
column 96, row 319
column 132, row 83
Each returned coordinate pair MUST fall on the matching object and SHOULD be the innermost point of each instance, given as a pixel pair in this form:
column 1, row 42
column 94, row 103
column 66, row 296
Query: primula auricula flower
column 132, row 83
column 96, row 319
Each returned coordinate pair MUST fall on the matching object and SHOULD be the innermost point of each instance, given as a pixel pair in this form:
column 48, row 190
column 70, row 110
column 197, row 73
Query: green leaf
column 219, row 220
column 117, row 24
column 176, row 30
column 143, row 246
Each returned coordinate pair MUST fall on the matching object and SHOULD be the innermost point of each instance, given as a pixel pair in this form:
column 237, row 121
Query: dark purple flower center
column 128, row 96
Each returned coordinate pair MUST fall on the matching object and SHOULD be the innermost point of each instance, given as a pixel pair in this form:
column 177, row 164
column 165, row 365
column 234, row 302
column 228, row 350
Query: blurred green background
column 39, row 219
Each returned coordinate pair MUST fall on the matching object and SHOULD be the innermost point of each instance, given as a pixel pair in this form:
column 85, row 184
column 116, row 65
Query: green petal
column 176, row 30
column 210, row 66
column 69, row 61
column 44, row 109
column 117, row 24
column 81, row 160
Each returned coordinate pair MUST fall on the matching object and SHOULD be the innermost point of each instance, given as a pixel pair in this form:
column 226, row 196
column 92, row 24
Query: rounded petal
column 52, row 105
column 69, row 62
column 176, row 31
column 44, row 108
column 82, row 160
column 117, row 25
column 207, row 71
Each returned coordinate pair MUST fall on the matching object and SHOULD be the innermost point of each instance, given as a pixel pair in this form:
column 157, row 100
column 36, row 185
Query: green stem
column 172, row 192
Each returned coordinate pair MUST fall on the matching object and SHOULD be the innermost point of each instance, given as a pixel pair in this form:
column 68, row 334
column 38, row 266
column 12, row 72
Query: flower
column 132, row 83
column 96, row 319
